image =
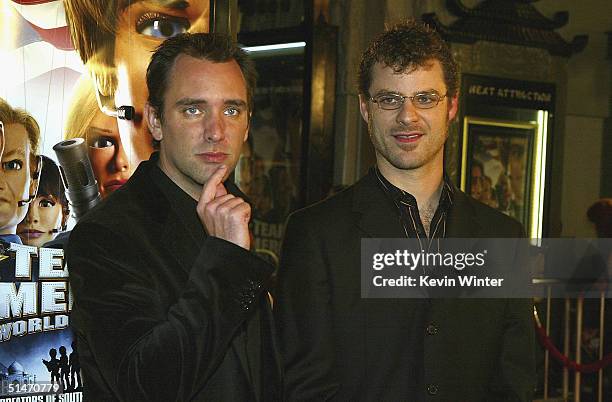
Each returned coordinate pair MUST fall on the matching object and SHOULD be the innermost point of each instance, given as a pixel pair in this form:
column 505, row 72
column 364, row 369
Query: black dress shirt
column 408, row 209
column 412, row 342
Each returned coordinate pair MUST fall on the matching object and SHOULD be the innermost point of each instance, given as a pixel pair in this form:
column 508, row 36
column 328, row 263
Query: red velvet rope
column 570, row 364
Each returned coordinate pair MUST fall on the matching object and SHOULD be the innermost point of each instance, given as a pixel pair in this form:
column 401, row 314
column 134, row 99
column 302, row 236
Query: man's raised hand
column 224, row 215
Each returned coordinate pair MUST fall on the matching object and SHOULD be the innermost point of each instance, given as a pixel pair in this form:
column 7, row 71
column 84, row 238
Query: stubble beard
column 402, row 158
column 199, row 174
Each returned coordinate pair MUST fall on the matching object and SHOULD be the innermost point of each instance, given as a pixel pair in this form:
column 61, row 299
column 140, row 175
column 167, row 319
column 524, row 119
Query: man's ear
column 153, row 121
column 363, row 108
column 248, row 127
column 453, row 107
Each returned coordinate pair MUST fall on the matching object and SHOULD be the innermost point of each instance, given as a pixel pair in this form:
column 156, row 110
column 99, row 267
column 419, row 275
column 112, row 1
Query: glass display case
column 287, row 162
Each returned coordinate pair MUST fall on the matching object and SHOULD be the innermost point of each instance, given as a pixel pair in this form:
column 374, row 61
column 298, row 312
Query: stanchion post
column 602, row 317
column 546, row 353
column 579, row 306
column 566, row 347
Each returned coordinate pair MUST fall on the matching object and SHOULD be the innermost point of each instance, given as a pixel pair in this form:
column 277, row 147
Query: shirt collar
column 403, row 197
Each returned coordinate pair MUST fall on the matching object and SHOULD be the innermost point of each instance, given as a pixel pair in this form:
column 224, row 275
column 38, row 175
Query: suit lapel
column 171, row 229
column 377, row 215
column 462, row 221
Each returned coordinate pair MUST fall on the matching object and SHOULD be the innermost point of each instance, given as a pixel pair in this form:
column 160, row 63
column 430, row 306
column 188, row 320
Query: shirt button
column 432, row 389
column 431, row 329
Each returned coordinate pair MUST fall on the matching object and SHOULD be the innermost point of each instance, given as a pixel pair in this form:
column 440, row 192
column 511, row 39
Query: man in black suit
column 169, row 303
column 338, row 346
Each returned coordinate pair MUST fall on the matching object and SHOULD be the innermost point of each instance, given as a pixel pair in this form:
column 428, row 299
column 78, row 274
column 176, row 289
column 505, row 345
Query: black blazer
column 338, row 346
column 160, row 315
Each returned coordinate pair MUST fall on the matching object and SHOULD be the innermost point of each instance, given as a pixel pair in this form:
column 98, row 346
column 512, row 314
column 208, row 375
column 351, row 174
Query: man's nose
column 214, row 130
column 407, row 114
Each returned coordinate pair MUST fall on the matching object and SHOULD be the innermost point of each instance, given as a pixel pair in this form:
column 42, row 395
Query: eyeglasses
column 422, row 100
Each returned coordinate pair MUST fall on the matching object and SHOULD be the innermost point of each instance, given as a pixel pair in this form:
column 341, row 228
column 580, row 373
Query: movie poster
column 69, row 69
column 38, row 356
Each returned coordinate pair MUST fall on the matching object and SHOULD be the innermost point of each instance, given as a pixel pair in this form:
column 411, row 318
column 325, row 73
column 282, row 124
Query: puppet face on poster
column 48, row 212
column 43, row 221
column 107, row 154
column 16, row 184
column 117, row 51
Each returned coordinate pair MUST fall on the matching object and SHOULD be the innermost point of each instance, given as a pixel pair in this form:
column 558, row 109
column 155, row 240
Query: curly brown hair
column 404, row 47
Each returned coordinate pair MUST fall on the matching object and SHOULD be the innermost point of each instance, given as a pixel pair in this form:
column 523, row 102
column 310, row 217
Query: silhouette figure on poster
column 75, row 368
column 64, row 368
column 53, row 366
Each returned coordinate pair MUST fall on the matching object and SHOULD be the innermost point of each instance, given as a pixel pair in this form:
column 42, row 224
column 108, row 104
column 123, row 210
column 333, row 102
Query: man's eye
column 192, row 111
column 15, row 164
column 46, row 203
column 102, row 142
column 232, row 111
column 389, row 100
column 161, row 26
column 425, row 99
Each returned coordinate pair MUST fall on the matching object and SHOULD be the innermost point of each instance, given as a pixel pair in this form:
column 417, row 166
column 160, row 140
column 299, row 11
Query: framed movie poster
column 501, row 167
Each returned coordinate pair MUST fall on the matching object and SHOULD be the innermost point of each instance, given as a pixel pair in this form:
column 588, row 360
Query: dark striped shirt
column 408, row 211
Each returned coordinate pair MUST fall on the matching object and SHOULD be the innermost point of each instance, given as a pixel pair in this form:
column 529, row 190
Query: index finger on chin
column 211, row 187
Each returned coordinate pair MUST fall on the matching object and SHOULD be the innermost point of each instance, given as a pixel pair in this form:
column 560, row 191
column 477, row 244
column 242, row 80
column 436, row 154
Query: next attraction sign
column 508, row 92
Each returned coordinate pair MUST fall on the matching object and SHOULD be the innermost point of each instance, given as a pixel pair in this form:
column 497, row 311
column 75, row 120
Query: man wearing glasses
column 339, row 346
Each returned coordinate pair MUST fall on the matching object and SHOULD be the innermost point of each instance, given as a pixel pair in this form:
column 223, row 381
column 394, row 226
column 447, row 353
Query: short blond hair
column 10, row 115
